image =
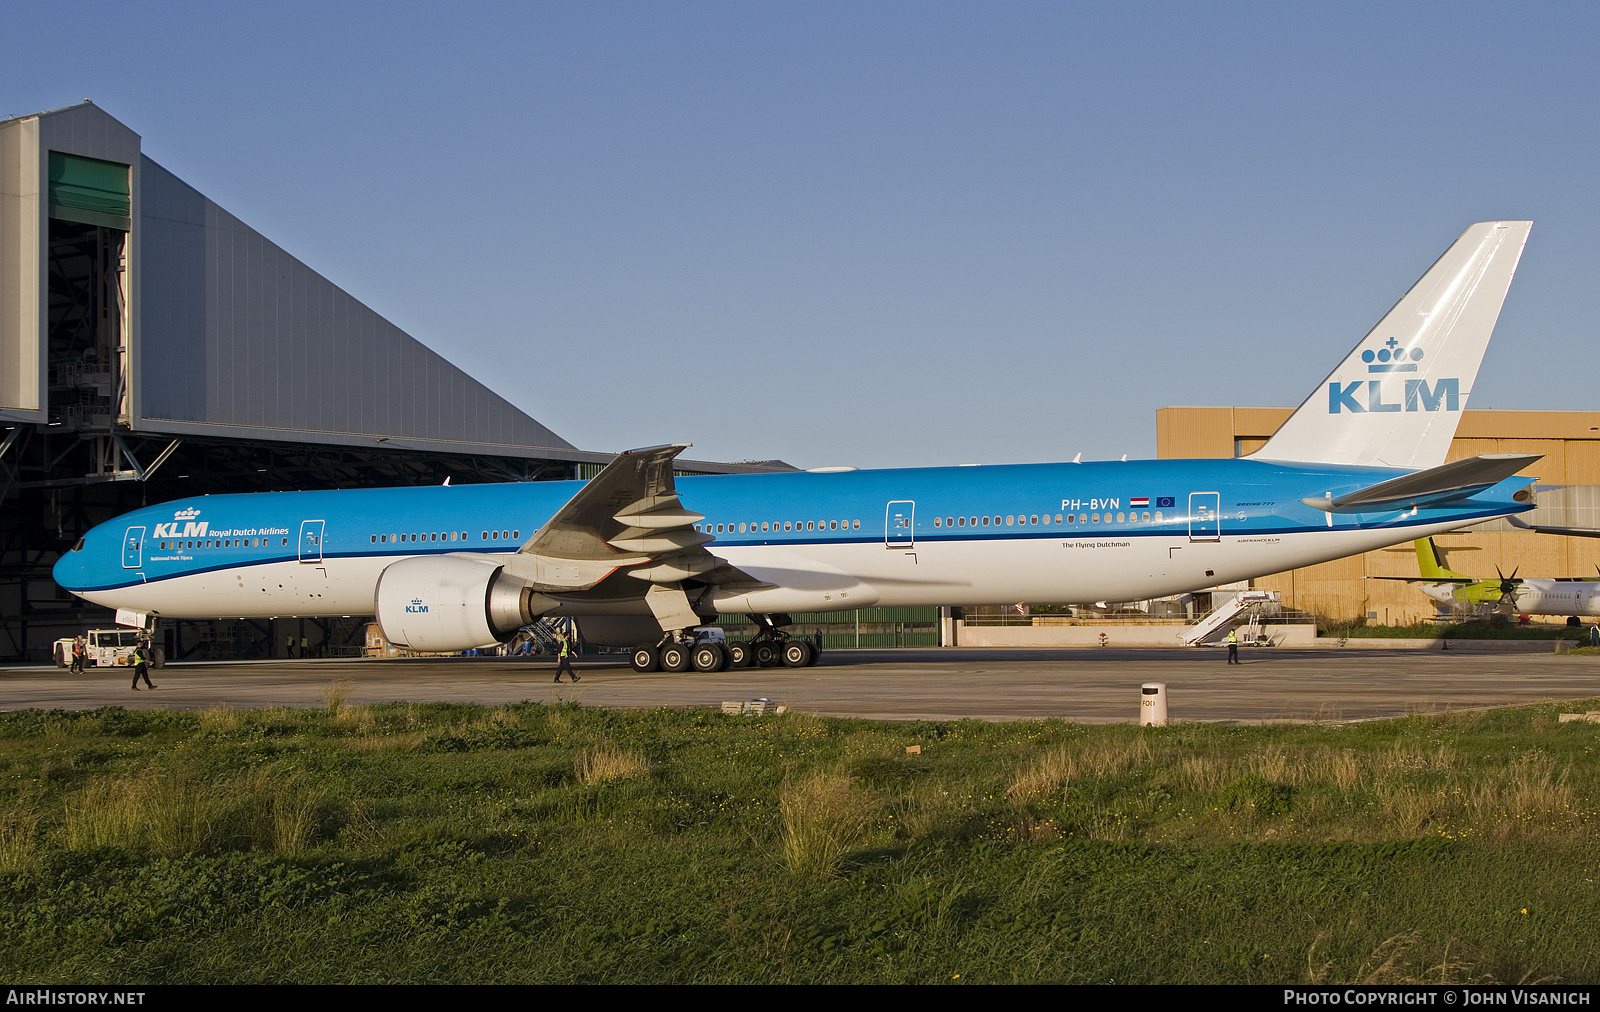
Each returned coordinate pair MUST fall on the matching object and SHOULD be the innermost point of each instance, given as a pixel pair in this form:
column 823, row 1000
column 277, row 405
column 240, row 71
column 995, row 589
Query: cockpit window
column 79, row 546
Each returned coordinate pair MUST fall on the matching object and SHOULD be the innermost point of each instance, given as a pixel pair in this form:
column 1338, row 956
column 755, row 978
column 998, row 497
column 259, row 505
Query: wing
column 1429, row 579
column 1571, row 532
column 626, row 517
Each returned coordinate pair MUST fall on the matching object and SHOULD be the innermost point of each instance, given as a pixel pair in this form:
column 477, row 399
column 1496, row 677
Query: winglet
column 1396, row 399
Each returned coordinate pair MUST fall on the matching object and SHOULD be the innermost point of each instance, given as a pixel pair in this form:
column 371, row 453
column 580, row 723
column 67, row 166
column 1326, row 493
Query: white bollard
column 1153, row 704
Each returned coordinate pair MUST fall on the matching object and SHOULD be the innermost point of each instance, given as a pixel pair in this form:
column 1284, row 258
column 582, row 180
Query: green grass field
column 535, row 843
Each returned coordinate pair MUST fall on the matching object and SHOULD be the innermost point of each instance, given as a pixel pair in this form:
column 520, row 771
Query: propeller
column 1508, row 589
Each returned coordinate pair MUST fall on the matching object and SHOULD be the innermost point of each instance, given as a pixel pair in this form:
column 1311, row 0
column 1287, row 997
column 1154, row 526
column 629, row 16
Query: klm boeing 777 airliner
column 642, row 559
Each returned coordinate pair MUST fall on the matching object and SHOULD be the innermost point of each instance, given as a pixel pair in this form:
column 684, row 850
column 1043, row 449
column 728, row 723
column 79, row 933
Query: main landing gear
column 770, row 648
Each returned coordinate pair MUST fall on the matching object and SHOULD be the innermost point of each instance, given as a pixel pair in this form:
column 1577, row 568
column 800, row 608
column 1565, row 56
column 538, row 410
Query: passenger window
column 1094, row 518
column 809, row 525
column 1010, row 521
column 937, row 522
column 1159, row 517
column 516, row 535
column 1070, row 518
column 833, row 525
column 855, row 524
column 1119, row 518
column 985, row 521
column 1033, row 519
column 1083, row 518
column 1146, row 517
column 961, row 521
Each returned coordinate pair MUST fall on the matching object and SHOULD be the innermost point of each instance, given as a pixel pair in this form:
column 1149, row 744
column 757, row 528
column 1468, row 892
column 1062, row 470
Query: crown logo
column 188, row 514
column 1392, row 358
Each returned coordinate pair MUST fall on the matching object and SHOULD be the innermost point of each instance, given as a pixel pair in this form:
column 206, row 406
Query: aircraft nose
column 69, row 570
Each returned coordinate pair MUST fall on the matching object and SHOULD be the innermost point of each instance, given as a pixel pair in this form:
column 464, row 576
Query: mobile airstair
column 544, row 636
column 1214, row 625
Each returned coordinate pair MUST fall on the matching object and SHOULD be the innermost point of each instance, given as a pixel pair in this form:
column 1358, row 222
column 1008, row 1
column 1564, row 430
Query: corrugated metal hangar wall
column 154, row 346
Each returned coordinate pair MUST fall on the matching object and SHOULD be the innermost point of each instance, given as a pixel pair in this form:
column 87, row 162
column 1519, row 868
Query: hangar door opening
column 91, row 210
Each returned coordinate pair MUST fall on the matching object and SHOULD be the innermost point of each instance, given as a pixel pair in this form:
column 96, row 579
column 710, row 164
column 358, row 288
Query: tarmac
column 1089, row 686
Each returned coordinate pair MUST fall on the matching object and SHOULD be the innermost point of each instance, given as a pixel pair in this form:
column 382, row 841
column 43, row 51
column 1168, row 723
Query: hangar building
column 154, row 346
column 1568, row 495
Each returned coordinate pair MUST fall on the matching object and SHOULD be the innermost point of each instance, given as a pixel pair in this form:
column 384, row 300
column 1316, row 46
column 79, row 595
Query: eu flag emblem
column 1164, row 502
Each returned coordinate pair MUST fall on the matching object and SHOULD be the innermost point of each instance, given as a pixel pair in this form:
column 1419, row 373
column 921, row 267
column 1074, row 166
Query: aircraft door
column 900, row 524
column 311, row 540
column 133, row 548
column 1205, row 516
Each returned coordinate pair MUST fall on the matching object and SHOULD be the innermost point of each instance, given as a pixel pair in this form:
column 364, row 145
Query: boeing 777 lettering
column 643, row 559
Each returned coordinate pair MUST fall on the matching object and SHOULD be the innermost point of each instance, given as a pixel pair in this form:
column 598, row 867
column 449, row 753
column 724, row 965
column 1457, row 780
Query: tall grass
column 335, row 693
column 177, row 812
column 825, row 815
column 597, row 765
column 408, row 841
column 18, row 828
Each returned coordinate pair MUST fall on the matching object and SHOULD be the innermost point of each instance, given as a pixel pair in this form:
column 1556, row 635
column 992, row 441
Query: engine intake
column 445, row 603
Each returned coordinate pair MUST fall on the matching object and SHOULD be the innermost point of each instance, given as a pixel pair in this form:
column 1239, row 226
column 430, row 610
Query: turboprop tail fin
column 1431, row 564
column 1396, row 399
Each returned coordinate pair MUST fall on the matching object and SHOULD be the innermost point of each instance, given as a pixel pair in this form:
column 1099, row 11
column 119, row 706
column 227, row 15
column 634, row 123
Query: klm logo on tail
column 1363, row 396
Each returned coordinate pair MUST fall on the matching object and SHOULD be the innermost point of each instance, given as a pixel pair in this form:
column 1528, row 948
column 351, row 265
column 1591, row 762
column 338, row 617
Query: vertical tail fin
column 1431, row 564
column 1396, row 399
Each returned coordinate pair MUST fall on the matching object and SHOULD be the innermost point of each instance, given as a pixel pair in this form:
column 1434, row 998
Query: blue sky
column 880, row 234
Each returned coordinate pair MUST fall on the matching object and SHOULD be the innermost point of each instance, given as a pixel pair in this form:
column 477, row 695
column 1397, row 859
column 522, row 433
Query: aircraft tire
column 158, row 658
column 62, row 660
column 709, row 657
column 675, row 657
column 645, row 659
column 816, row 655
column 739, row 654
column 764, row 654
column 796, row 654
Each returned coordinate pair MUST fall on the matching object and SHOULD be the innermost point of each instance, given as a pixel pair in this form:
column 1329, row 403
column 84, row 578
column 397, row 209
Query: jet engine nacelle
column 444, row 603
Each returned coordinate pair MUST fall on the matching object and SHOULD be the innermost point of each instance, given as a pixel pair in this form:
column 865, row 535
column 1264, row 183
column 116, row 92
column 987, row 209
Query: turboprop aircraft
column 1509, row 595
column 642, row 559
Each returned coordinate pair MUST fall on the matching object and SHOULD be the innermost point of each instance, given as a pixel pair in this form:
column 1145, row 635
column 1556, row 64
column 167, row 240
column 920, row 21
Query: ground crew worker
column 304, row 642
column 288, row 645
column 564, row 663
column 141, row 666
column 79, row 660
column 1233, row 646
